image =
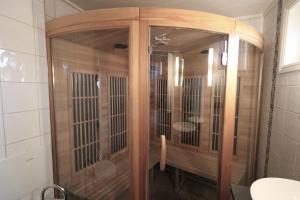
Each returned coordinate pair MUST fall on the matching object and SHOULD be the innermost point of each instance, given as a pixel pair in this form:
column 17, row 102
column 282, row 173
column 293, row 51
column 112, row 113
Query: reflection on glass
column 184, row 65
column 90, row 86
column 210, row 66
column 246, row 113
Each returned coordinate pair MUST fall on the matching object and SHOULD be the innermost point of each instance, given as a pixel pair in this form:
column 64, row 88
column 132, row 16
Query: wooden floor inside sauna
column 189, row 186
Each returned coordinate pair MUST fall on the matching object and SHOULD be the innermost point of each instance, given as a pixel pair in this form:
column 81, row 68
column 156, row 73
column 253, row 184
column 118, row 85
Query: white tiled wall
column 25, row 148
column 285, row 139
column 254, row 20
column 58, row 8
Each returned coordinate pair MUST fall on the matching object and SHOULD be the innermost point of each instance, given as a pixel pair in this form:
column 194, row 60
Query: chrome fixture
column 54, row 186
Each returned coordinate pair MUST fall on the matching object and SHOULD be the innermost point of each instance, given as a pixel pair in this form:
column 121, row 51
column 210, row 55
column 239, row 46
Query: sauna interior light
column 179, row 66
column 182, row 67
column 160, row 68
column 98, row 83
column 210, row 66
column 176, row 71
column 65, row 66
column 224, row 55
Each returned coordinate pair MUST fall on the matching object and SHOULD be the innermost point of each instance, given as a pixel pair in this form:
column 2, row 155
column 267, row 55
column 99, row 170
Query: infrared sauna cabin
column 147, row 103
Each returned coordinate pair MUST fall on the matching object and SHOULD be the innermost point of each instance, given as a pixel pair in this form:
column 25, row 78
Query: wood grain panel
column 225, row 155
column 90, row 20
column 113, row 174
column 139, row 20
column 187, row 19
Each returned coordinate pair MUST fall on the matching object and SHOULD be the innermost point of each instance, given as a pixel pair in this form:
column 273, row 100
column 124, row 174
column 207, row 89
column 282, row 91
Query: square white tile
column 288, row 149
column 19, row 97
column 2, row 141
column 297, row 167
column 277, row 125
column 62, row 8
column 19, row 10
column 23, row 174
column 27, row 197
column 23, row 146
column 1, row 111
column 45, row 125
column 42, row 69
column 40, row 42
column 287, row 170
column 38, row 14
column 294, row 78
column 282, row 80
column 17, row 67
column 50, row 8
column 21, row 126
column 274, row 165
column 275, row 143
column 48, row 18
column 291, row 125
column 293, row 103
column 281, row 94
column 16, row 35
column 36, row 194
column 46, row 140
column 2, row 153
column 43, row 95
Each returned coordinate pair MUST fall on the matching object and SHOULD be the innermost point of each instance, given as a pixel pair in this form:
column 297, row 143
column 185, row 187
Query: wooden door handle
column 163, row 152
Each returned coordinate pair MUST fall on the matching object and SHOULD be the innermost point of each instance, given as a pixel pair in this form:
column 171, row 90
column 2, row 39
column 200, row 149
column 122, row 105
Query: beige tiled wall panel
column 269, row 32
column 285, row 139
column 58, row 8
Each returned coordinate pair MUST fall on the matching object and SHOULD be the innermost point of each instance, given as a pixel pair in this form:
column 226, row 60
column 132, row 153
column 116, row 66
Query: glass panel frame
column 132, row 27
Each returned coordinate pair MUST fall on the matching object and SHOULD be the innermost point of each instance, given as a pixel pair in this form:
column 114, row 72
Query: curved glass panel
column 90, row 90
column 247, row 105
column 187, row 84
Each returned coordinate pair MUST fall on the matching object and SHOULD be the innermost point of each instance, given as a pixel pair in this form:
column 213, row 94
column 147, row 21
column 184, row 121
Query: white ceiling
column 232, row 8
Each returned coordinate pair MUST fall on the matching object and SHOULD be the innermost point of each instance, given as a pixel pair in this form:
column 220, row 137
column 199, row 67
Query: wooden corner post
column 225, row 155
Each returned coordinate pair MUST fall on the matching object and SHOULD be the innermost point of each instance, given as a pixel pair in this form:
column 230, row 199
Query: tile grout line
column 24, row 111
column 20, row 21
column 273, row 87
column 36, row 72
column 27, row 53
column 17, row 20
column 23, row 52
column 21, row 82
column 23, row 140
column 4, row 132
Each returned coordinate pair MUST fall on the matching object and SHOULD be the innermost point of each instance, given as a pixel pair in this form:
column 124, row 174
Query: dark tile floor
column 191, row 187
column 163, row 186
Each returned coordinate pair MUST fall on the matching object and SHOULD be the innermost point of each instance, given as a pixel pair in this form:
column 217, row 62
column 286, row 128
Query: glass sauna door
column 187, row 86
column 246, row 115
column 90, row 96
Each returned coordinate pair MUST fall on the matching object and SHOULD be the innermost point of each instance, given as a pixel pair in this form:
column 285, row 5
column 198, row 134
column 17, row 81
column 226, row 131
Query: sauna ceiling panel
column 100, row 39
column 232, row 8
column 181, row 40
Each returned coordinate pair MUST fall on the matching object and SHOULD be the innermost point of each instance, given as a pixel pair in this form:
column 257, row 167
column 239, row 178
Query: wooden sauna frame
column 139, row 20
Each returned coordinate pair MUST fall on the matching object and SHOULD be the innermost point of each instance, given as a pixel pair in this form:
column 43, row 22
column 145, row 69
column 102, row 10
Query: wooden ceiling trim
column 249, row 34
column 89, row 20
column 108, row 18
column 187, row 19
